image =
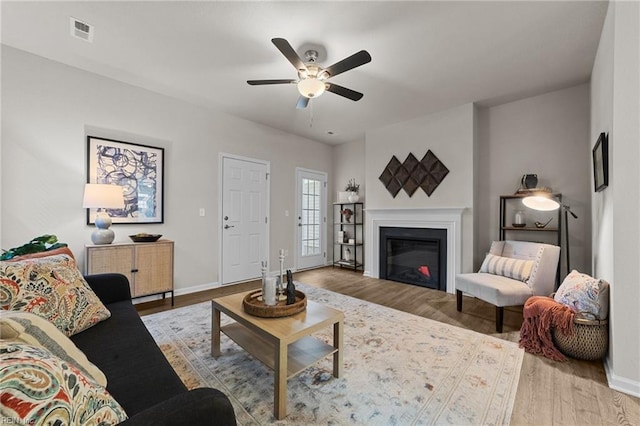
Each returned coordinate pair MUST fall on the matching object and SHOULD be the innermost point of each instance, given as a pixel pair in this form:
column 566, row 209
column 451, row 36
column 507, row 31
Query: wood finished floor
column 568, row 393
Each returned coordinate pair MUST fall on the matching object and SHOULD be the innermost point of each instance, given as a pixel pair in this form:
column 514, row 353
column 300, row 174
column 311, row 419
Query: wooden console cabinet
column 148, row 266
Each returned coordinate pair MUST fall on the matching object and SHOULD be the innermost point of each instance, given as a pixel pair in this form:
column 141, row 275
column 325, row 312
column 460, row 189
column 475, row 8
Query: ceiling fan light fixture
column 311, row 87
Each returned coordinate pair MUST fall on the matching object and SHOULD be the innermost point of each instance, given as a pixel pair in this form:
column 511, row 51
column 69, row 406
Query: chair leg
column 459, row 300
column 499, row 318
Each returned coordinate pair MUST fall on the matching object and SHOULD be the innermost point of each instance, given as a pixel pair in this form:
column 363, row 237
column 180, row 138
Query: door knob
column 228, row 226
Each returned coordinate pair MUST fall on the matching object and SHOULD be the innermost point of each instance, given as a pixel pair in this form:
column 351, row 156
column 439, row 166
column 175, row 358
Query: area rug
column 399, row 369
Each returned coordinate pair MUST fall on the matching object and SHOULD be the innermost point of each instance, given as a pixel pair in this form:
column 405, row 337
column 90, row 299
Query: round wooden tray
column 253, row 305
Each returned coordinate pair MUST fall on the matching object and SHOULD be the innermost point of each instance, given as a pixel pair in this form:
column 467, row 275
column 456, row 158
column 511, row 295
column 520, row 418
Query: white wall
column 547, row 135
column 615, row 97
column 348, row 163
column 450, row 136
column 47, row 110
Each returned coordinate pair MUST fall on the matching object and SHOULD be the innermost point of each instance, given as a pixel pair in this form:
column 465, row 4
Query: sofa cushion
column 39, row 388
column 127, row 354
column 25, row 327
column 52, row 288
column 507, row 267
column 495, row 289
column 585, row 295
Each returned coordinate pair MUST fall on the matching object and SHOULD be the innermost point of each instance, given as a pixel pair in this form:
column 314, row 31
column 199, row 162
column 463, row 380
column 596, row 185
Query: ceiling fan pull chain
column 310, row 114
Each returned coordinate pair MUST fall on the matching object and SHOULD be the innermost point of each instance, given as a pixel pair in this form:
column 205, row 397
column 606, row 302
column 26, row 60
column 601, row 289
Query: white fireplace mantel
column 437, row 218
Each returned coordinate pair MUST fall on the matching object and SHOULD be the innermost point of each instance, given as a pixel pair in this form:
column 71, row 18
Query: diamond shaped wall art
column 412, row 174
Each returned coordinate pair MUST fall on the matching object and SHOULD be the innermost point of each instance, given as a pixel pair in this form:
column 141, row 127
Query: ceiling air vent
column 81, row 30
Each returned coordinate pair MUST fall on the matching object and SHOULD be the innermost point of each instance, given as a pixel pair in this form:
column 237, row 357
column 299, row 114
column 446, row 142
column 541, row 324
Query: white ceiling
column 427, row 56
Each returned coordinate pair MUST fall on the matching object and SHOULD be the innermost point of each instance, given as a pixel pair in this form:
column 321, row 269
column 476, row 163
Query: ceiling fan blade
column 353, row 61
column 303, row 101
column 262, row 82
column 285, row 48
column 343, row 91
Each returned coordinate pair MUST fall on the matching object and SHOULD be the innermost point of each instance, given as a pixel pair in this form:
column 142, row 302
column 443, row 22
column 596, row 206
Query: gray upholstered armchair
column 512, row 272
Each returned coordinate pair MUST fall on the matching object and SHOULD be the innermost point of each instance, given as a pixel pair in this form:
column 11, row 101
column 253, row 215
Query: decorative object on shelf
column 136, row 168
column 352, row 241
column 412, row 174
column 36, row 245
column 256, row 307
column 529, row 181
column 352, row 188
column 342, row 236
column 145, row 238
column 544, row 201
column 102, row 196
column 518, row 219
column 291, row 289
column 541, row 225
column 280, row 281
column 347, row 254
column 600, row 154
column 343, row 196
column 347, row 213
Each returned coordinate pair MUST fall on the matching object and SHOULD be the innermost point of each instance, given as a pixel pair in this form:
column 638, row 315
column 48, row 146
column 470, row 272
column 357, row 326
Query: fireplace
column 414, row 256
column 449, row 219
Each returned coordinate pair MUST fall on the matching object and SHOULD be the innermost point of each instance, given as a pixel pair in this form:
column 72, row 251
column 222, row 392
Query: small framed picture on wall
column 600, row 155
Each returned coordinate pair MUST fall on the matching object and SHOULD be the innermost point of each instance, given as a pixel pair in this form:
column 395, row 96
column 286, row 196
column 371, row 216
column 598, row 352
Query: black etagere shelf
column 345, row 227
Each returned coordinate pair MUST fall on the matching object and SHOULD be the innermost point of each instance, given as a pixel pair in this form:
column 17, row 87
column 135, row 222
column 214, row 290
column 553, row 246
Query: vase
column 353, row 197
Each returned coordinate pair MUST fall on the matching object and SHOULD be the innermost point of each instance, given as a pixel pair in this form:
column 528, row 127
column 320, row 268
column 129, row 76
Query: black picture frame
column 139, row 169
column 600, row 154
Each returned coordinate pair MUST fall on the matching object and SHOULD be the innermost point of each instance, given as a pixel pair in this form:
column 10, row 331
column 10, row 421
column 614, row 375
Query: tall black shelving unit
column 354, row 229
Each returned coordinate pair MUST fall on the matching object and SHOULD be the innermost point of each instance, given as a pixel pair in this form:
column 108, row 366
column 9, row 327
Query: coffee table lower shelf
column 301, row 354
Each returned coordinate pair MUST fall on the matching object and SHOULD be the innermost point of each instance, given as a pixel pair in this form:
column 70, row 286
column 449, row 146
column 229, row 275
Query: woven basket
column 253, row 305
column 590, row 339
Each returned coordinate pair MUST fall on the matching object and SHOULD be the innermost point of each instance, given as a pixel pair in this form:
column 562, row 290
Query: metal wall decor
column 413, row 174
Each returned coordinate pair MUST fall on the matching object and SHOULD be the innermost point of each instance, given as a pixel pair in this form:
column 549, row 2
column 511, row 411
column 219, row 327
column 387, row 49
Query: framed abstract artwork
column 139, row 169
column 600, row 155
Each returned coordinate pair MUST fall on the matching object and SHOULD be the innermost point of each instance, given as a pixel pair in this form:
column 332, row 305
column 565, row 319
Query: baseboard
column 621, row 384
column 178, row 292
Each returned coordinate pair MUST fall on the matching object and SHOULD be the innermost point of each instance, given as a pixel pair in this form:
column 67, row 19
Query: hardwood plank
column 549, row 392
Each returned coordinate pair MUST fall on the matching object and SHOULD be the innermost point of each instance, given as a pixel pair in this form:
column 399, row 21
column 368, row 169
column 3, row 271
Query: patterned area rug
column 399, row 369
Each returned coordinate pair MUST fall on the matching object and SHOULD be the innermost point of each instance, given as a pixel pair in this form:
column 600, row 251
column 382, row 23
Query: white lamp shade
column 540, row 202
column 103, row 196
column 311, row 87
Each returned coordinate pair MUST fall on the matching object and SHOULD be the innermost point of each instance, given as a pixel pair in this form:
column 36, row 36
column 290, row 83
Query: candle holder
column 281, row 255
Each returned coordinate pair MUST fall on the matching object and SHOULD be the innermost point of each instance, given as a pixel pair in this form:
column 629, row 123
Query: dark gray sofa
column 138, row 375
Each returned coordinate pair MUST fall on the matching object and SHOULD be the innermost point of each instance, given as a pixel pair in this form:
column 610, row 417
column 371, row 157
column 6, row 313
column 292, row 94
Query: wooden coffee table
column 283, row 344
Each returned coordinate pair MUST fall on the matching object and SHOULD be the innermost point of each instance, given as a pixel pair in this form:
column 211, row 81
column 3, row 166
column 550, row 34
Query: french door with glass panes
column 311, row 246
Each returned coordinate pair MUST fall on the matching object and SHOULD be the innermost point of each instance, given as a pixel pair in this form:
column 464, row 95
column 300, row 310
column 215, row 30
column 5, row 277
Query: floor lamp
column 544, row 201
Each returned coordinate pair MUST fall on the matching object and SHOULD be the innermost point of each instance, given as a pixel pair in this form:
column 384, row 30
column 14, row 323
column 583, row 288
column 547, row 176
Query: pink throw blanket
column 540, row 315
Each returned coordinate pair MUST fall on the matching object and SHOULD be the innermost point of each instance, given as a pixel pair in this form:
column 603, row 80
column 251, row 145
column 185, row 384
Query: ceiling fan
column 312, row 78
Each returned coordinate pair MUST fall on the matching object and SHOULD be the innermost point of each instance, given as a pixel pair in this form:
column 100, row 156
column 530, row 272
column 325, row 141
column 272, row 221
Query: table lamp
column 102, row 196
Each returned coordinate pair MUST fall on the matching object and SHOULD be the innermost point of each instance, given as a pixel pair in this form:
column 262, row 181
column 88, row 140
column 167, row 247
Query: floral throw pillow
column 28, row 328
column 585, row 295
column 52, row 288
column 38, row 388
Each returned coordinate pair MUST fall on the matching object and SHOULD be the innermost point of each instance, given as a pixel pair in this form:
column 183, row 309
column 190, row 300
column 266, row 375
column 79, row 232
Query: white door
column 244, row 225
column 312, row 218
